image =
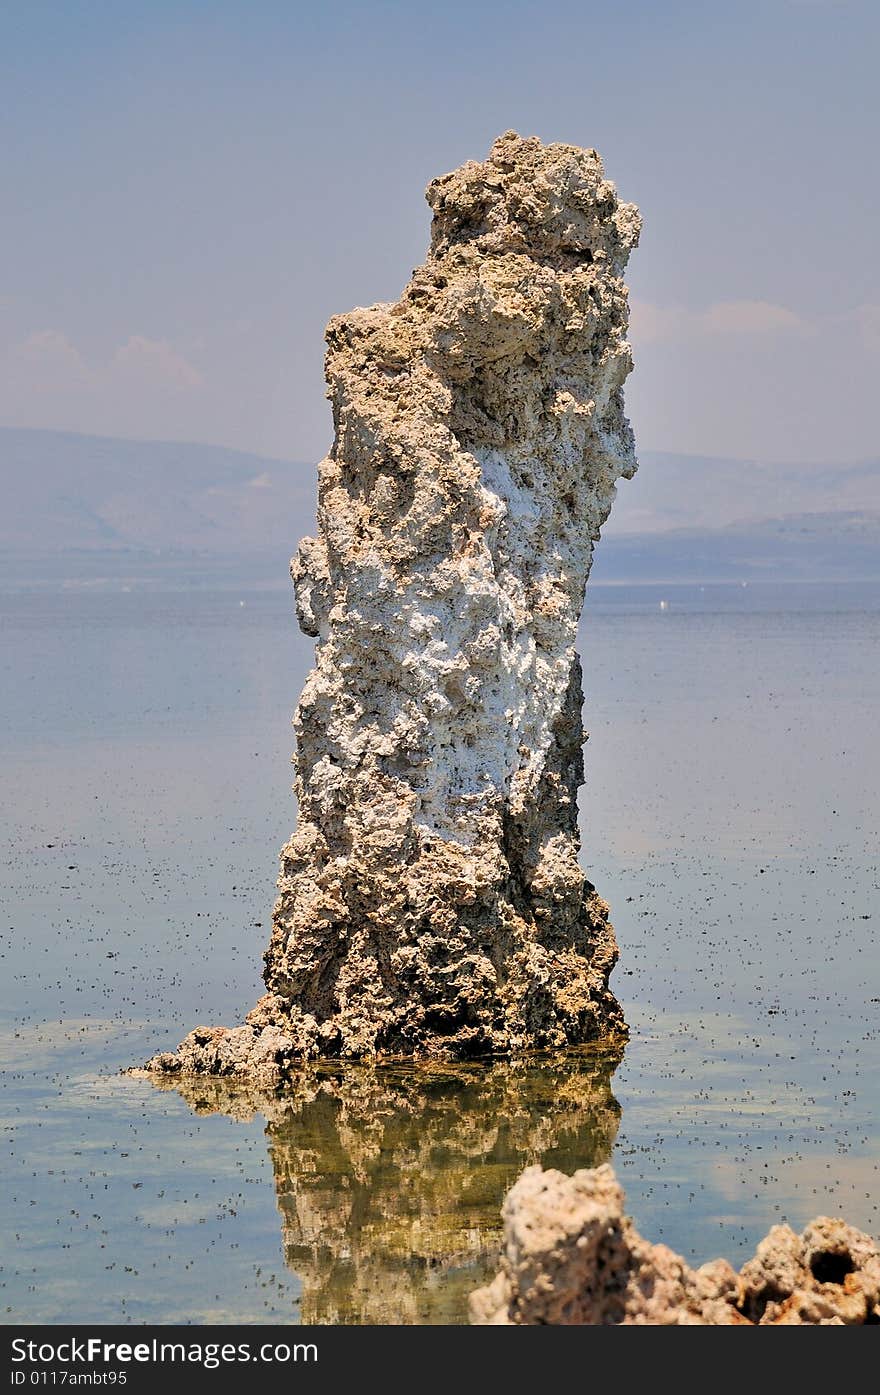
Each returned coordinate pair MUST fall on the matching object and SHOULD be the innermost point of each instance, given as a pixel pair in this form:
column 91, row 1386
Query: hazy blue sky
column 191, row 189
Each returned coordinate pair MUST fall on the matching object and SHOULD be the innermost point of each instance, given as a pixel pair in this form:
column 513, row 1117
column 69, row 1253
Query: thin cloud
column 45, row 378
column 652, row 323
column 749, row 317
column 50, row 349
column 157, row 360
column 868, row 319
column 48, row 358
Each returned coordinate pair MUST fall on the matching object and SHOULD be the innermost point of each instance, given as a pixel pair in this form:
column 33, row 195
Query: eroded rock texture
column 431, row 901
column 389, row 1180
column 571, row 1256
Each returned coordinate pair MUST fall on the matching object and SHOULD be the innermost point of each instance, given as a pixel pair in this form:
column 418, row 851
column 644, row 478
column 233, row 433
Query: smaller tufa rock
column 572, row 1257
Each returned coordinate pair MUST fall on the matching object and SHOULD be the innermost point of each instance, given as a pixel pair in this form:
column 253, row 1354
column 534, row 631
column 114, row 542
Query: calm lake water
column 730, row 817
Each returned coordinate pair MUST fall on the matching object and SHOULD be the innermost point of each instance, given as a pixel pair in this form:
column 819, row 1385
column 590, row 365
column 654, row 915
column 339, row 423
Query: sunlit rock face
column 431, row 899
column 572, row 1256
column 389, row 1180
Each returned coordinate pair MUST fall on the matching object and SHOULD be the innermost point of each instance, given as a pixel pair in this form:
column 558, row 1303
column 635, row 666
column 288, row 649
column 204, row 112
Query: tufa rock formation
column 572, row 1257
column 389, row 1179
column 431, row 902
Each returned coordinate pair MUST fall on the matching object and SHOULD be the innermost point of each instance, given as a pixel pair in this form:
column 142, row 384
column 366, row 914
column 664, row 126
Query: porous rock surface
column 431, row 901
column 571, row 1256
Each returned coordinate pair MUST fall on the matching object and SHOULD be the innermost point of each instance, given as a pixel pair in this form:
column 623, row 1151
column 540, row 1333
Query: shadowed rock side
column 571, row 1256
column 431, row 902
column 389, row 1180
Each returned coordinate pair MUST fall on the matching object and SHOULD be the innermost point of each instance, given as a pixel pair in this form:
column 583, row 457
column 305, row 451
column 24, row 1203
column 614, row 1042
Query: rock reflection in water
column 390, row 1179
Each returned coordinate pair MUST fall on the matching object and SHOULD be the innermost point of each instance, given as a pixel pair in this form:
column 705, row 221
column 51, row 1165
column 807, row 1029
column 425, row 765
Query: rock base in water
column 572, row 1257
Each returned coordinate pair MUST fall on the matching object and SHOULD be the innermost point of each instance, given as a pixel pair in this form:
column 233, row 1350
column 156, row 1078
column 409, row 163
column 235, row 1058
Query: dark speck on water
column 730, row 817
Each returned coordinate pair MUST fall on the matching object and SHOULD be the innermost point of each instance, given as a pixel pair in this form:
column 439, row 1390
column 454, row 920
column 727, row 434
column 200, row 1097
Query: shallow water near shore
column 730, row 817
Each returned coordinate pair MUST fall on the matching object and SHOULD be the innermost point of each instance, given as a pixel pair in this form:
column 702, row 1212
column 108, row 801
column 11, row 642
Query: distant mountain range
column 708, row 492
column 89, row 508
column 837, row 546
column 63, row 492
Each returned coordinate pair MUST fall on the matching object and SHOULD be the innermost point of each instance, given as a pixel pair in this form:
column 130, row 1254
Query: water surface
column 730, row 817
